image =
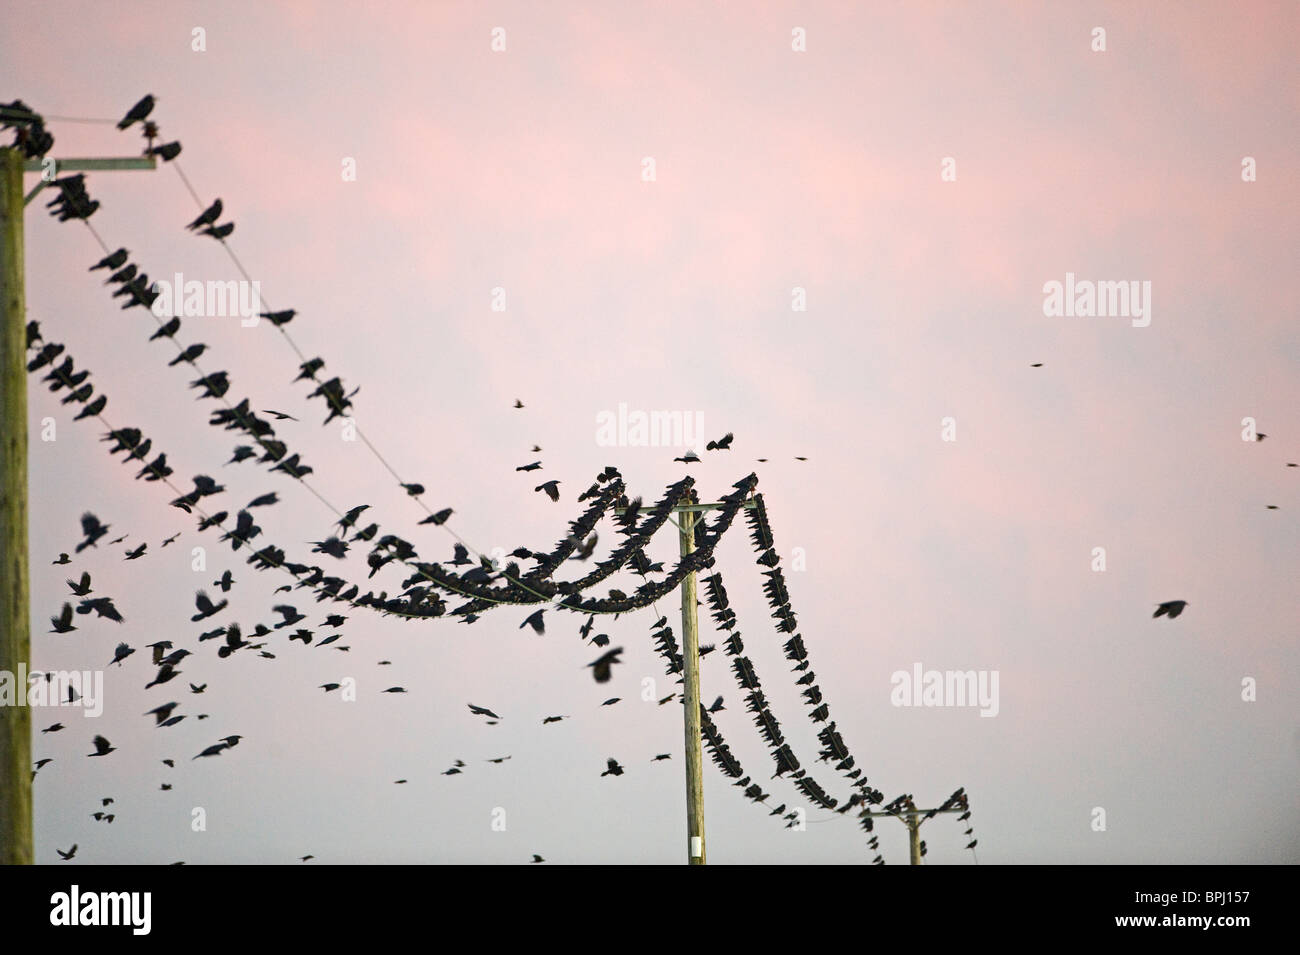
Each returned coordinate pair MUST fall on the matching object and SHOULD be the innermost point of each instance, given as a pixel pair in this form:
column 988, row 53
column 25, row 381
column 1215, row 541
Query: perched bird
column 166, row 152
column 114, row 260
column 102, row 747
column 536, row 859
column 137, row 112
column 279, row 318
column 614, row 768
column 1171, row 607
column 219, row 231
column 207, row 217
column 601, row 667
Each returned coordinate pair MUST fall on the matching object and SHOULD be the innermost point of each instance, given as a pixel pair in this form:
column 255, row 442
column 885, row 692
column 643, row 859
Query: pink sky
column 775, row 169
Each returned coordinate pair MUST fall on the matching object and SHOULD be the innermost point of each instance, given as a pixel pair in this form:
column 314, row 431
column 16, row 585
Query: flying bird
column 614, row 768
column 482, row 711
column 93, row 531
column 206, row 608
column 534, row 620
column 65, row 856
column 1171, row 607
column 102, row 747
column 722, row 444
column 601, row 667
column 552, row 489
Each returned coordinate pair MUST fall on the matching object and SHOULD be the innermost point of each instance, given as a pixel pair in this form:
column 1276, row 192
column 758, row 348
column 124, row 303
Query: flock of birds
column 485, row 584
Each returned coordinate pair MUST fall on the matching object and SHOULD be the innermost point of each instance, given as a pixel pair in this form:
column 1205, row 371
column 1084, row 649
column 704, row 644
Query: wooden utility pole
column 913, row 818
column 15, row 628
column 686, row 511
column 691, row 697
column 15, row 619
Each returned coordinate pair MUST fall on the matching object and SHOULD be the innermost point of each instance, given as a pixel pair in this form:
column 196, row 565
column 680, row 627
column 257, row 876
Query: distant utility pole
column 912, row 818
column 15, row 619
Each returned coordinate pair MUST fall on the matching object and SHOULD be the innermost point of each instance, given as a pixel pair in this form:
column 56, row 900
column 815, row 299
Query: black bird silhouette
column 611, row 701
column 93, row 531
column 102, row 747
column 162, row 714
column 534, row 620
column 207, row 217
column 114, row 260
column 518, row 403
column 138, row 112
column 601, row 667
column 166, row 152
column 136, row 553
column 662, row 756
column 224, row 582
column 81, row 588
column 280, row 318
column 53, row 728
column 717, row 706
column 535, row 466
column 614, row 768
column 279, row 415
column 536, row 859
column 206, row 608
column 1171, row 607
column 690, row 457
column 65, row 856
column 166, row 672
column 219, row 231
column 552, row 719
column 121, row 653
column 189, row 354
column 722, row 444
column 482, row 711
column 63, row 559
column 214, row 750
column 102, row 606
column 552, row 489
